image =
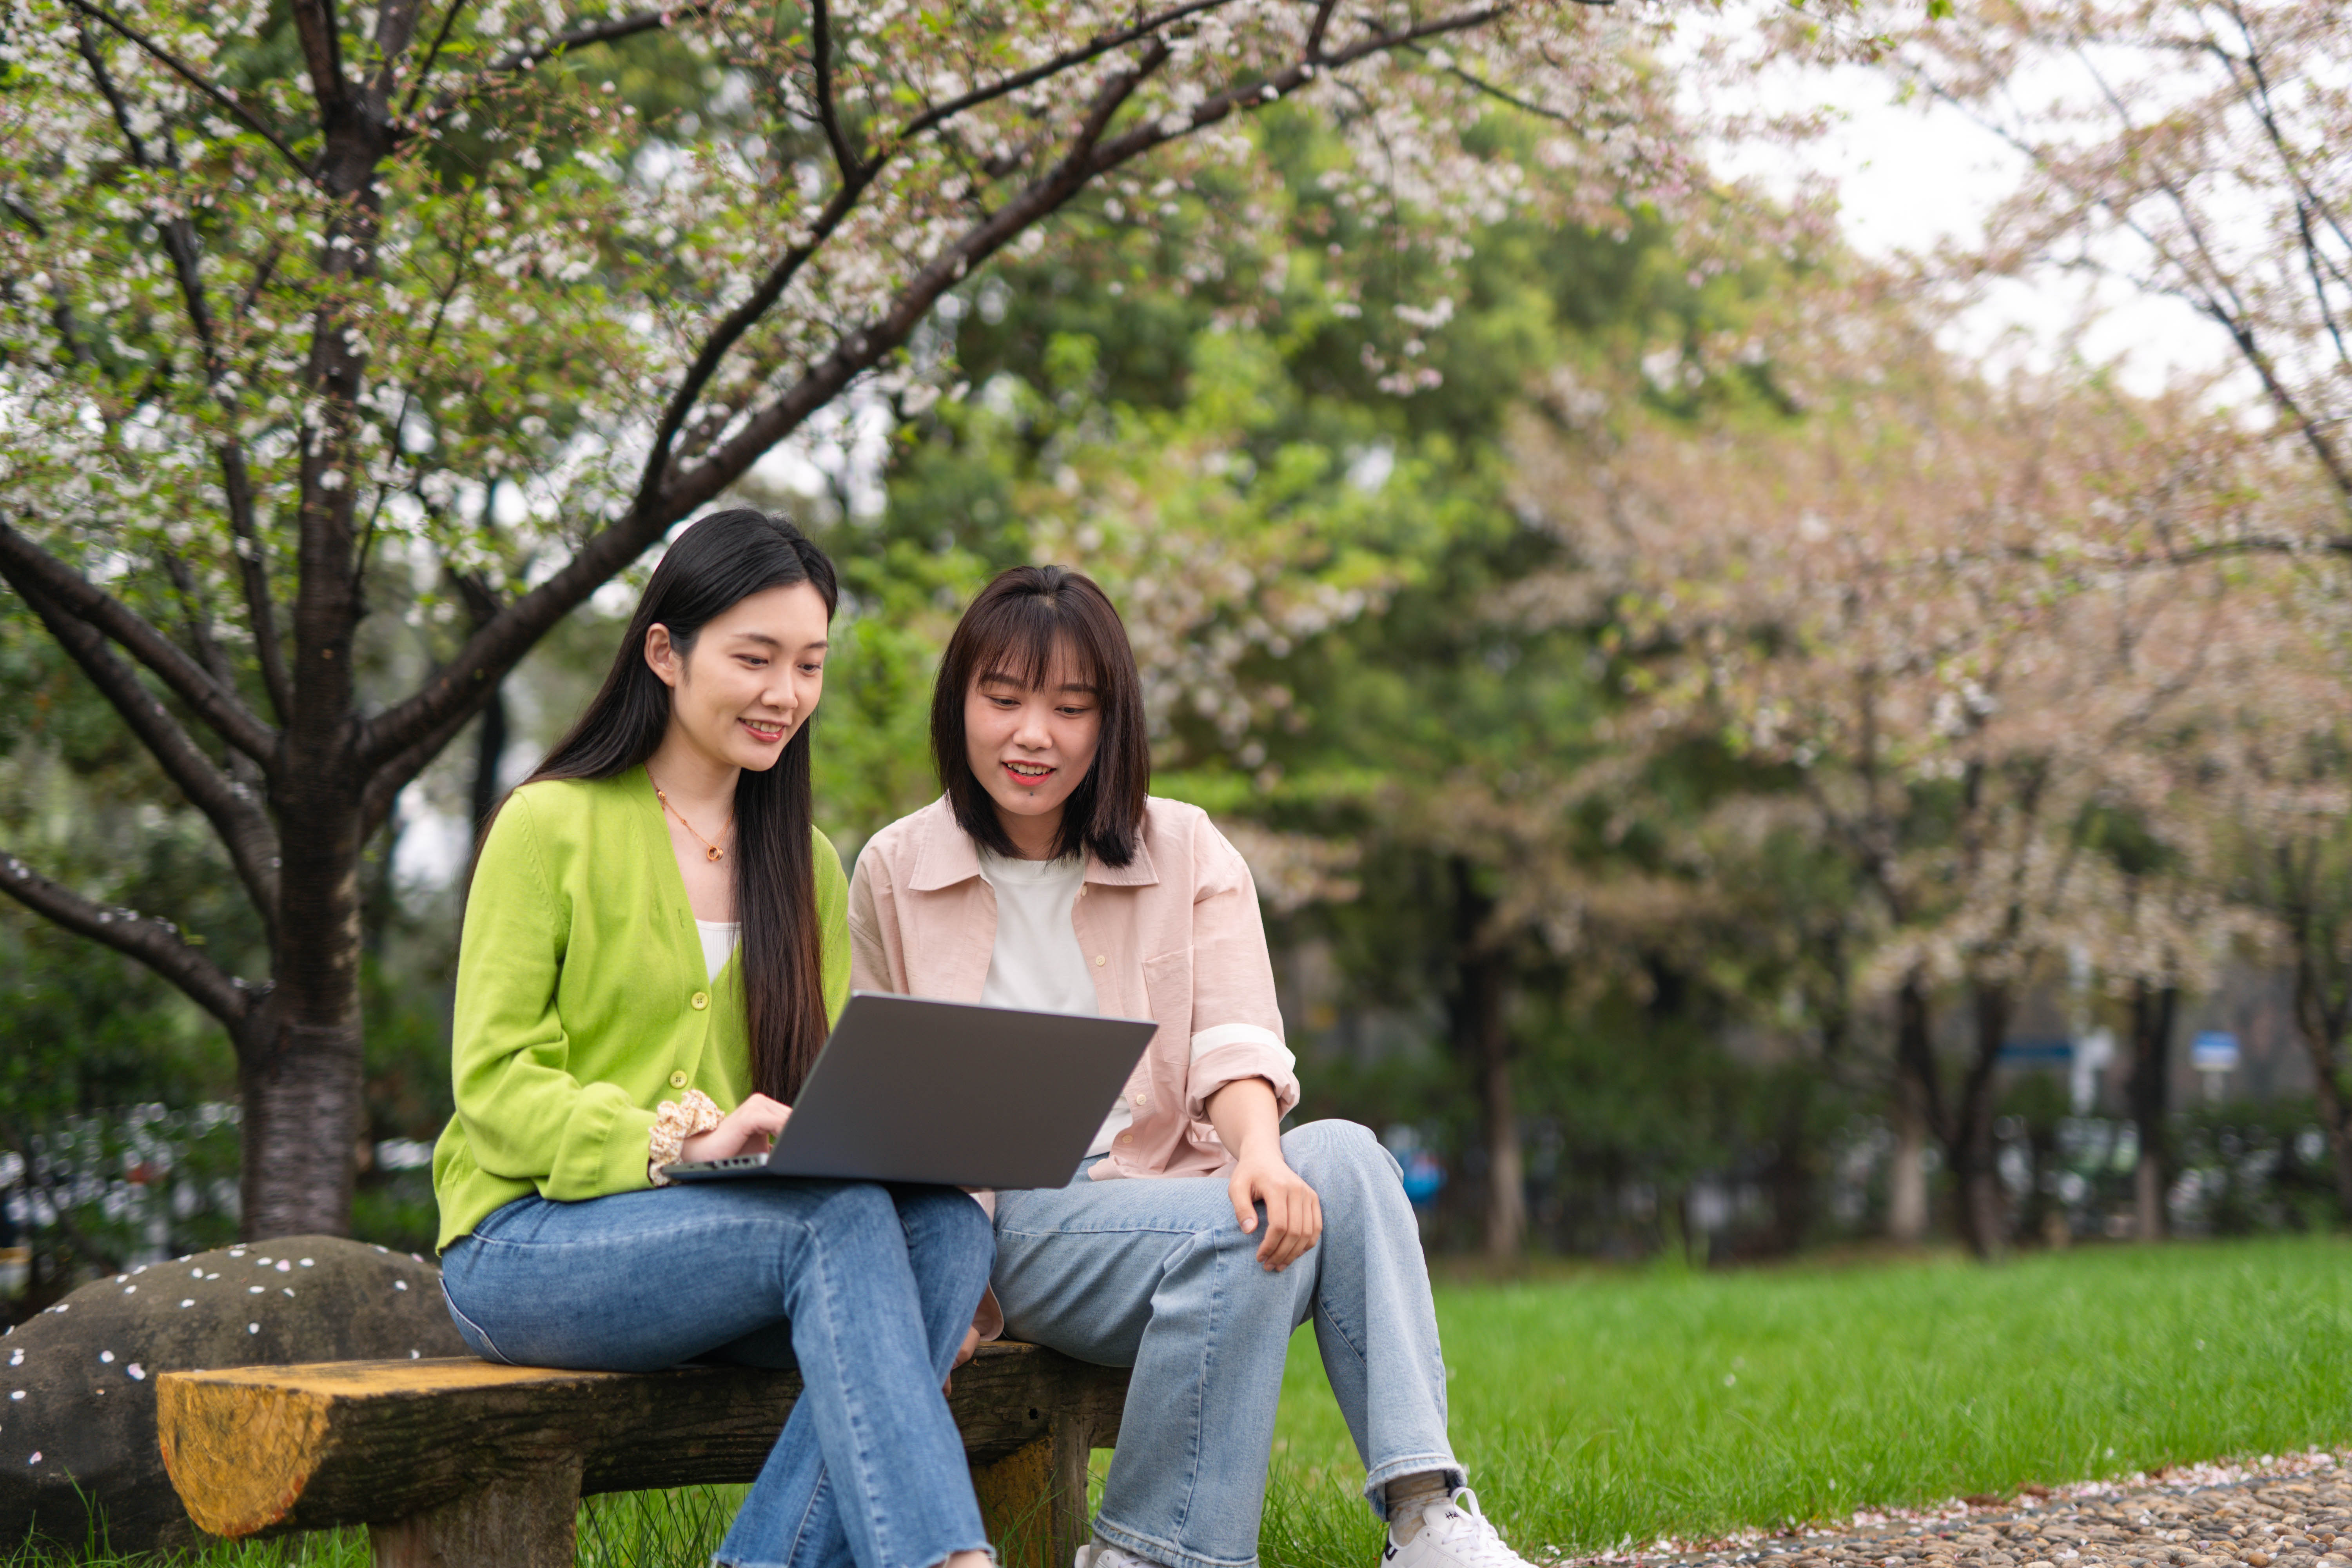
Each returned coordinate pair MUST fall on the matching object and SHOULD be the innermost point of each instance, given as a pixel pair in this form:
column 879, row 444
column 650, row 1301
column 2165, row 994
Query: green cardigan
column 583, row 1001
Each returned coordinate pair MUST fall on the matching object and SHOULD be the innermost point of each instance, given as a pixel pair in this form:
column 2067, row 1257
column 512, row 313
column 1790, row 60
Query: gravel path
column 2290, row 1511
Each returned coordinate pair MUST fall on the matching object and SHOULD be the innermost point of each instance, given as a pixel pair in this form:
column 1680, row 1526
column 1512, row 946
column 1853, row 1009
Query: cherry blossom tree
column 456, row 308
column 2282, row 808
column 2194, row 148
column 1987, row 630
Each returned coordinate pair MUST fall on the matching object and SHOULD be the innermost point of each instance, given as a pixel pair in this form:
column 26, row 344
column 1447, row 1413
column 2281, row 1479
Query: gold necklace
column 711, row 851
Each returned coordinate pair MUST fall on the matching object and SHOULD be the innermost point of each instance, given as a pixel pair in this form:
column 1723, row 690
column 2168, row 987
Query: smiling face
column 1031, row 746
column 750, row 681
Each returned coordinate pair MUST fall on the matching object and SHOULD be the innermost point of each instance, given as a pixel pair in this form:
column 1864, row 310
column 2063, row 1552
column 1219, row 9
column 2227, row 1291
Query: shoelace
column 1471, row 1537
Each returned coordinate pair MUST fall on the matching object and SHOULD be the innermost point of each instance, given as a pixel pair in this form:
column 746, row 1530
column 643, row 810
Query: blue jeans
column 1157, row 1275
column 867, row 1288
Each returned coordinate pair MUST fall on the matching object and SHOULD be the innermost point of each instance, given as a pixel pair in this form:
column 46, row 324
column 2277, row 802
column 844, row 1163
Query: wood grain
column 520, row 1521
column 256, row 1450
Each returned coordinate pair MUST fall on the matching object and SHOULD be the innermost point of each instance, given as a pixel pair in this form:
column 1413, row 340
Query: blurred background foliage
column 1316, row 558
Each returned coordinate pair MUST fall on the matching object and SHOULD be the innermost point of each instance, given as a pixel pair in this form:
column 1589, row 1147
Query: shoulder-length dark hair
column 1013, row 630
column 717, row 563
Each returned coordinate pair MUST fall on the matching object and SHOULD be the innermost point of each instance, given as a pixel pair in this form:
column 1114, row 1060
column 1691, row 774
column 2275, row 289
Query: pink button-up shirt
column 1174, row 935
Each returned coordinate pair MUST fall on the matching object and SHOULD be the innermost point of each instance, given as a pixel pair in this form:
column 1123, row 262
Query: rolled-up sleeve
column 526, row 1117
column 1236, row 1022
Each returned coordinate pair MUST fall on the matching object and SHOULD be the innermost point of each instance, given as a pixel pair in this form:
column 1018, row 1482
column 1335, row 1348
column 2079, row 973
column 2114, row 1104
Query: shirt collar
column 945, row 856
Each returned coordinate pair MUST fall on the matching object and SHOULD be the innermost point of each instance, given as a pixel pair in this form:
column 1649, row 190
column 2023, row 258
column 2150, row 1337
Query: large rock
column 78, row 1383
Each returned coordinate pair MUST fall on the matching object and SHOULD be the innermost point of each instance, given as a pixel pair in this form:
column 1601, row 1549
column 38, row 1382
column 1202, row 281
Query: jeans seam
column 800, row 1530
column 1106, row 1230
column 1340, row 1327
column 495, row 1354
column 675, row 1232
column 853, row 1408
column 1201, row 1384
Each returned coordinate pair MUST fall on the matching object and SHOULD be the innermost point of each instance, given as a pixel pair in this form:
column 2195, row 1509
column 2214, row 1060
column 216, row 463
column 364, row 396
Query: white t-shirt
column 1037, row 964
column 717, row 941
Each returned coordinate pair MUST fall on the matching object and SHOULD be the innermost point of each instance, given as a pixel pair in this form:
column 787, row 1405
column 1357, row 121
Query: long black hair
column 1015, row 628
column 717, row 563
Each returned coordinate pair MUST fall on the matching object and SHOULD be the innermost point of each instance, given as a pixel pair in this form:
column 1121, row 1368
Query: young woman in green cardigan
column 654, row 947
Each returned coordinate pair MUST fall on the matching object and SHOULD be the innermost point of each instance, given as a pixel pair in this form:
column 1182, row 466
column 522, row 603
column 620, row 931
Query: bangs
column 1020, row 625
column 1019, row 639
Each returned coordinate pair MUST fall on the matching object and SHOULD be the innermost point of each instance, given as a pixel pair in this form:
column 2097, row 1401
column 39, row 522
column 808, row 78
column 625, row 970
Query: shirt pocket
column 1167, row 992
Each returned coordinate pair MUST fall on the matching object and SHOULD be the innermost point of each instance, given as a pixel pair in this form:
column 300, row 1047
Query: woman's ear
column 661, row 656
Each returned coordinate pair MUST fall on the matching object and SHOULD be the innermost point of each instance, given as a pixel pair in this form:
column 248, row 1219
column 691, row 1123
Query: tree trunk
column 489, row 746
column 1794, row 1175
column 490, row 734
column 300, row 1078
column 2153, row 1007
column 2319, row 1020
column 1798, row 1162
column 1907, row 1182
column 1916, row 1097
column 1482, row 1040
column 1983, row 1210
column 2320, row 1046
column 1507, row 1194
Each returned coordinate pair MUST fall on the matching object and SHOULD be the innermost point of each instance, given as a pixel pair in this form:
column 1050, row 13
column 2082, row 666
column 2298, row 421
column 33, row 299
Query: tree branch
column 236, row 484
column 157, row 943
column 1092, row 49
column 729, row 331
column 61, row 314
column 821, row 57
column 1501, row 95
column 1088, row 158
column 219, row 95
column 1318, row 28
column 396, row 29
column 38, row 575
column 1282, row 84
column 320, row 33
column 253, row 573
column 2305, row 191
column 662, row 500
column 234, row 809
column 2230, row 314
column 861, row 349
column 529, row 56
column 432, row 56
column 396, row 772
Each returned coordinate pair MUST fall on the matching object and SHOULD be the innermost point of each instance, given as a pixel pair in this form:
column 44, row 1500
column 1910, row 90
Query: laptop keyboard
column 736, row 1162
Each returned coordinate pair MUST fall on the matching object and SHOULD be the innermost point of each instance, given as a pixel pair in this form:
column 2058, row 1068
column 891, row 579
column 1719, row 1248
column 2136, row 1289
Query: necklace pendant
column 714, row 853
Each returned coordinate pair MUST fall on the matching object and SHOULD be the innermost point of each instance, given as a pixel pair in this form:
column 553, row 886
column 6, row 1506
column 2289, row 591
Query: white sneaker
column 1453, row 1535
column 1091, row 1555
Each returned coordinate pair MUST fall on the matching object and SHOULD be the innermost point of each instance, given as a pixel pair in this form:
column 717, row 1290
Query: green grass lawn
column 1599, row 1405
column 1607, row 1406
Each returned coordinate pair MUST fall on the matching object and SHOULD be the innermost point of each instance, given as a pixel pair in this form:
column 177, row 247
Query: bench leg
column 518, row 1522
column 1034, row 1500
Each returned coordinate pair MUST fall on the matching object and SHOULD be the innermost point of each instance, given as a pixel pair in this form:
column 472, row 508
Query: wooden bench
column 462, row 1464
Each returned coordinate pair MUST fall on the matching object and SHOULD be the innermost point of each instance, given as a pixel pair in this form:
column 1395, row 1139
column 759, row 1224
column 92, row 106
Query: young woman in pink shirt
column 1196, row 1235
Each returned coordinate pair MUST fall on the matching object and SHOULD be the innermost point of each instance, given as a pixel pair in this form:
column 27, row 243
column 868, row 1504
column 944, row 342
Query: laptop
column 908, row 1090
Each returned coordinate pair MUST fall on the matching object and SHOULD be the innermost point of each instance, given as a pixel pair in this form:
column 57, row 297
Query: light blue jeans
column 867, row 1288
column 1158, row 1276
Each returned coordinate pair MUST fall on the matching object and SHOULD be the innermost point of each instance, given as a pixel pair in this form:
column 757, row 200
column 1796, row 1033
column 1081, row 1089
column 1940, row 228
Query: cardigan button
column 701, row 1000
column 1099, row 959
column 677, row 1080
